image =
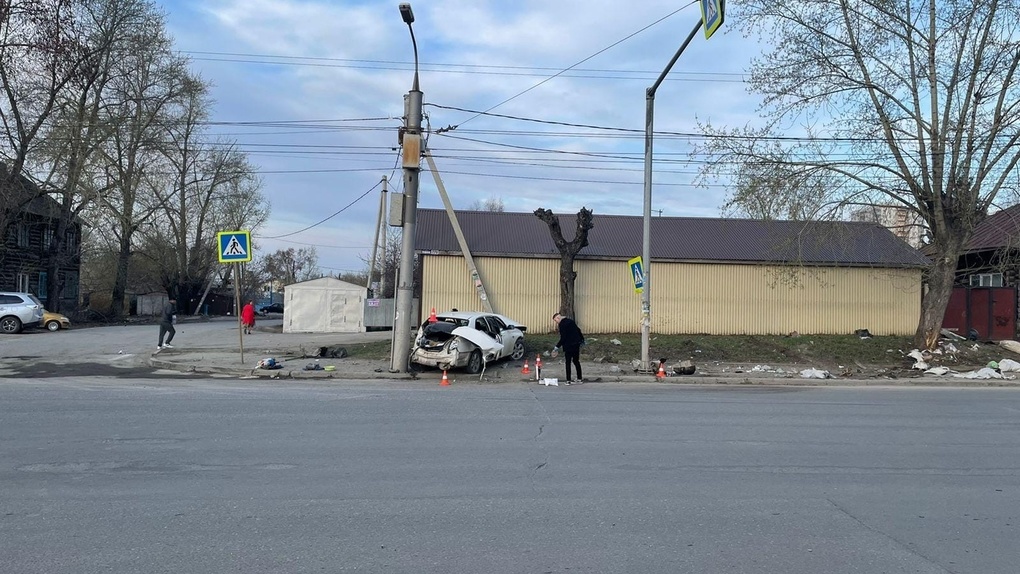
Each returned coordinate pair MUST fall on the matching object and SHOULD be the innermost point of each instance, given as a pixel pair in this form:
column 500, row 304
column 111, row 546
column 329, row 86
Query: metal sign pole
column 237, row 308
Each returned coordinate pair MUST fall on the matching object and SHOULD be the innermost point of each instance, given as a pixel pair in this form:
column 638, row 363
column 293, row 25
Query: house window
column 72, row 240
column 43, row 286
column 47, row 237
column 23, row 282
column 69, row 287
column 22, row 235
column 986, row 280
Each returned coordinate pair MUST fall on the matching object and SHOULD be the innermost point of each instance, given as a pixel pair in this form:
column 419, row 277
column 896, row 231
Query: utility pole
column 411, row 140
column 375, row 244
column 476, row 279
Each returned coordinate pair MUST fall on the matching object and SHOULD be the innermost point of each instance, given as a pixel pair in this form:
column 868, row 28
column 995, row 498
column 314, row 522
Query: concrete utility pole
column 379, row 226
column 411, row 140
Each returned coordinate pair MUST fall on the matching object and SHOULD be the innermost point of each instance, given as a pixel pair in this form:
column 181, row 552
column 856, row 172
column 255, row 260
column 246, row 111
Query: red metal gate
column 991, row 311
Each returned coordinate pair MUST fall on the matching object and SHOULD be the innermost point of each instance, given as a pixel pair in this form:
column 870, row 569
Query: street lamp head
column 406, row 13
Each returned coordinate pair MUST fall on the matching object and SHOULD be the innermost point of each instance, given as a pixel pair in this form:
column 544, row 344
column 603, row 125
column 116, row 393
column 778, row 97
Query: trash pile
column 947, row 350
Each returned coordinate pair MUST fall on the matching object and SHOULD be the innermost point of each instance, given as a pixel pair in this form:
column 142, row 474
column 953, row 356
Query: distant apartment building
column 903, row 222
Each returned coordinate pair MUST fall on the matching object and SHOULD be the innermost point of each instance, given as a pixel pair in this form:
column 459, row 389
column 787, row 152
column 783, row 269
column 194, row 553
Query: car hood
column 483, row 341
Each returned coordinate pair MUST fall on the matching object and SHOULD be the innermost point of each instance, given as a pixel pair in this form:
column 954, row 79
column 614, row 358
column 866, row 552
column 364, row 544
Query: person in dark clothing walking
column 166, row 324
column 570, row 341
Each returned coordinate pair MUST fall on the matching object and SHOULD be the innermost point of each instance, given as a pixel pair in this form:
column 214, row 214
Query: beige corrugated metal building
column 711, row 276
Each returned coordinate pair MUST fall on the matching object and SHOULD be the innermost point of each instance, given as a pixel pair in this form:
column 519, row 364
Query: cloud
column 348, row 61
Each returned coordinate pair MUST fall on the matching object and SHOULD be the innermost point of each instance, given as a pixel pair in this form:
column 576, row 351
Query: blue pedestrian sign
column 638, row 273
column 234, row 246
column 712, row 15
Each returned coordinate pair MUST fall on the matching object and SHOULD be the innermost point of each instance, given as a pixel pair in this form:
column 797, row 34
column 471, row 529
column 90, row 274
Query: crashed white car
column 467, row 340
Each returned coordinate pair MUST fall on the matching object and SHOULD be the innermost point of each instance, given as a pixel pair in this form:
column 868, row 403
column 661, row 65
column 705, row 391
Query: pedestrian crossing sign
column 637, row 272
column 234, row 246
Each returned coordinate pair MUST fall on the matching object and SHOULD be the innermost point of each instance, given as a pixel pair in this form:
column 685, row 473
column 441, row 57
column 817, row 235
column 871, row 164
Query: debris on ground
column 952, row 336
column 684, row 368
column 863, row 333
column 1013, row 346
column 1009, row 366
column 815, row 374
column 984, row 373
column 268, row 363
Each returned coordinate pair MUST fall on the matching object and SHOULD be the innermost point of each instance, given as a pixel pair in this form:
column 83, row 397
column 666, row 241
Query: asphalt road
column 125, row 350
column 119, row 475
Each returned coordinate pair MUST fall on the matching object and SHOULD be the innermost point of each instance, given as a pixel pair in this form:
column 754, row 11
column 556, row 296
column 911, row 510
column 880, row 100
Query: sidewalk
column 296, row 351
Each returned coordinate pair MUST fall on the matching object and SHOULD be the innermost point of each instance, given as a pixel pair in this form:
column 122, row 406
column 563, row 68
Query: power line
column 341, row 210
column 457, row 68
column 613, row 45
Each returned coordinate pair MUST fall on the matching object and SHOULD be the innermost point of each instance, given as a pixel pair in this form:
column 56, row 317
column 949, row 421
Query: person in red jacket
column 248, row 317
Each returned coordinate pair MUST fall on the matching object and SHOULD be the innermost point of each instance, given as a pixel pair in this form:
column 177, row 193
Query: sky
column 313, row 92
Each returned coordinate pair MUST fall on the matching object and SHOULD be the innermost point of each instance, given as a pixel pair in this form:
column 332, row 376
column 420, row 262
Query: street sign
column 234, row 246
column 712, row 15
column 638, row 273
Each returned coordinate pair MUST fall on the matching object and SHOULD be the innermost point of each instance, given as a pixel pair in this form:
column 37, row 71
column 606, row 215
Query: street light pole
column 646, row 228
column 411, row 141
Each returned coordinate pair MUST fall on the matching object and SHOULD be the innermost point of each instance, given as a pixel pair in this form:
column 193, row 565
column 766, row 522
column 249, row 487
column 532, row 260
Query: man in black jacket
column 570, row 341
column 166, row 324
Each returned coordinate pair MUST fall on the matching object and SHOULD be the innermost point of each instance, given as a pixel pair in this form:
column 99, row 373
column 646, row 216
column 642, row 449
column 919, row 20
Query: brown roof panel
column 1000, row 229
column 515, row 234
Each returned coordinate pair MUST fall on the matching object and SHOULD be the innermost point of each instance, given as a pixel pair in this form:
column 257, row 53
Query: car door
column 499, row 330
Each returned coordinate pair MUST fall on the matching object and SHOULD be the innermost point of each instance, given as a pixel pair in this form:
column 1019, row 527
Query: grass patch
column 823, row 351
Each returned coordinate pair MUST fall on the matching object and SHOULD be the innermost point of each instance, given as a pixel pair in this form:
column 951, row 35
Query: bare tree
column 288, row 266
column 110, row 34
column 41, row 50
column 208, row 185
column 921, row 106
column 149, row 78
column 492, row 203
column 568, row 251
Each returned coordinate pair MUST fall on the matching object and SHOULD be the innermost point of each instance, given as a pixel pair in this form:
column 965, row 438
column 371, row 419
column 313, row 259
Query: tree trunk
column 121, row 275
column 941, row 279
column 567, row 277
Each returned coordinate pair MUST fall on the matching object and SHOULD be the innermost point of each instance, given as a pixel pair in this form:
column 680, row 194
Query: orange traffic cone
column 525, row 370
column 432, row 316
column 662, row 371
column 445, row 382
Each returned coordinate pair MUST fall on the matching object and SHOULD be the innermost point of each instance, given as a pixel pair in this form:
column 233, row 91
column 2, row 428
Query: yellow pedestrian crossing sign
column 234, row 246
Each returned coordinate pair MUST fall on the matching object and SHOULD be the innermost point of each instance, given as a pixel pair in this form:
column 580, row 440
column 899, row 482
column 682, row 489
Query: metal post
column 412, row 167
column 646, row 228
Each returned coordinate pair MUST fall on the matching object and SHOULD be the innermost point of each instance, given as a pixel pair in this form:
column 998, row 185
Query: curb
column 695, row 380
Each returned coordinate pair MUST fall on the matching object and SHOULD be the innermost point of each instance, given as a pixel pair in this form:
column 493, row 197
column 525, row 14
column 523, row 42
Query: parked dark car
column 271, row 308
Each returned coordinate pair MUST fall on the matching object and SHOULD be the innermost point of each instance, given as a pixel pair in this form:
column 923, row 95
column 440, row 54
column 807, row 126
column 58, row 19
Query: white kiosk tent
column 324, row 305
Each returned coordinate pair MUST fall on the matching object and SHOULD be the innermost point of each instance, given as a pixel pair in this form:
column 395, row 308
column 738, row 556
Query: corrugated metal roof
column 1000, row 229
column 514, row 234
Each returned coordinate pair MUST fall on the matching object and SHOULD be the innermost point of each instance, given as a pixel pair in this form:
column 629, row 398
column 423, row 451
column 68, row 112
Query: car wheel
column 474, row 365
column 53, row 325
column 518, row 353
column 10, row 325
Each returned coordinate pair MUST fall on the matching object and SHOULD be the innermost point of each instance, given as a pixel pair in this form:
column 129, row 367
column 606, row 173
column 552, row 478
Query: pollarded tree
column 568, row 251
column 920, row 102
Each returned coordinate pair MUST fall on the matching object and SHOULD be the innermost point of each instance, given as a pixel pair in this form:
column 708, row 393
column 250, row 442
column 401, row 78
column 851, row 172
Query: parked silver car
column 19, row 310
column 468, row 340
